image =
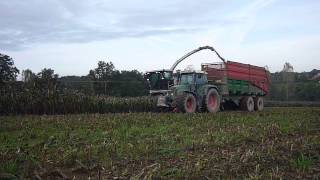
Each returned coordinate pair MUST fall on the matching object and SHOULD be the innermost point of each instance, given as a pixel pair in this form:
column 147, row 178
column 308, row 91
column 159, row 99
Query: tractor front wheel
column 212, row 101
column 186, row 103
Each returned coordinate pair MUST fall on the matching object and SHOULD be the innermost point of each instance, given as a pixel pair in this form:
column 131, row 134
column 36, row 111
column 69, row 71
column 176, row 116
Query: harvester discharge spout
column 193, row 52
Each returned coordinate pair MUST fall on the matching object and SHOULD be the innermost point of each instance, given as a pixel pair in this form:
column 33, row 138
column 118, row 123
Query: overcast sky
column 71, row 36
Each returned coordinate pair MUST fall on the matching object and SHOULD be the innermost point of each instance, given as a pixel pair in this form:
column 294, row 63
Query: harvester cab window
column 167, row 75
column 154, row 78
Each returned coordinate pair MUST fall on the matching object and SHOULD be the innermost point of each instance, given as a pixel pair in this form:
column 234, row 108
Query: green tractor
column 190, row 94
column 186, row 91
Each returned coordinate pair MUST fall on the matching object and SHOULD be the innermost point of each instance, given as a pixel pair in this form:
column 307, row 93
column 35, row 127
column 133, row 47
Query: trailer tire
column 258, row 103
column 212, row 101
column 247, row 104
column 186, row 103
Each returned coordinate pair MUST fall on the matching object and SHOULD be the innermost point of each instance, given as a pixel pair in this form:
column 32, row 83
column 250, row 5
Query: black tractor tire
column 247, row 104
column 186, row 103
column 258, row 103
column 212, row 101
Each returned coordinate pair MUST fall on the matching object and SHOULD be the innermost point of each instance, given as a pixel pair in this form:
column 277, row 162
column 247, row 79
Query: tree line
column 47, row 93
column 293, row 86
column 106, row 80
column 103, row 80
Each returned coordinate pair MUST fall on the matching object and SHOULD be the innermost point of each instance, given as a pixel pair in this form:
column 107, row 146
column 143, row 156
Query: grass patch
column 302, row 163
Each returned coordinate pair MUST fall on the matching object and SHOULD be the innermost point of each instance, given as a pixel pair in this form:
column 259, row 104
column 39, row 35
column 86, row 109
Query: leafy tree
column 287, row 67
column 308, row 91
column 111, row 82
column 81, row 84
column 47, row 81
column 101, row 75
column 103, row 71
column 8, row 72
column 128, row 83
column 28, row 76
column 47, row 74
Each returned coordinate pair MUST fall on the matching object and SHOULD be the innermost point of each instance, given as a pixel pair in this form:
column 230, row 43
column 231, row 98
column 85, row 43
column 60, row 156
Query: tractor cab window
column 201, row 79
column 186, row 79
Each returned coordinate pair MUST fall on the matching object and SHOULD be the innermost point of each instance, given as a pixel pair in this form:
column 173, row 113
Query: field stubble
column 276, row 143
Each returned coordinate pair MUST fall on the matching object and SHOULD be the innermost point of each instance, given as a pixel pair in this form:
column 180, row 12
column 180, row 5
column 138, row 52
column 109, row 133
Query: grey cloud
column 35, row 21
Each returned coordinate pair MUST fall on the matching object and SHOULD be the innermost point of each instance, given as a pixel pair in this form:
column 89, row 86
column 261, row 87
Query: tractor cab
column 191, row 81
column 159, row 81
column 192, row 78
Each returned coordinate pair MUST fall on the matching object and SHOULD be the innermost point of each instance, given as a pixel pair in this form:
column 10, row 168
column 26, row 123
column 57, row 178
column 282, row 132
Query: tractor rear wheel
column 247, row 104
column 186, row 103
column 212, row 101
column 258, row 103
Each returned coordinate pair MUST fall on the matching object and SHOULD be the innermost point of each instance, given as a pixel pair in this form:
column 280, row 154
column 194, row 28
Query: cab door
column 193, row 85
column 200, row 82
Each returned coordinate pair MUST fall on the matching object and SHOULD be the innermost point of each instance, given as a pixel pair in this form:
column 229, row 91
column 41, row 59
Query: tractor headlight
column 174, row 92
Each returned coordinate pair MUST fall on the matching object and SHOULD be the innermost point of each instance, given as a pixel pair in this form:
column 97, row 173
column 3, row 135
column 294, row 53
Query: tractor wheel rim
column 212, row 101
column 189, row 104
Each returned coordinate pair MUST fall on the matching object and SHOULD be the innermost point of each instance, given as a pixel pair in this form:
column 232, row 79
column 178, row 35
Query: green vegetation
column 293, row 86
column 71, row 103
column 8, row 72
column 276, row 143
column 302, row 163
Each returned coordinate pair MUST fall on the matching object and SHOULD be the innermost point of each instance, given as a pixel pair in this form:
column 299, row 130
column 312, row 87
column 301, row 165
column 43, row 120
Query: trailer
column 240, row 85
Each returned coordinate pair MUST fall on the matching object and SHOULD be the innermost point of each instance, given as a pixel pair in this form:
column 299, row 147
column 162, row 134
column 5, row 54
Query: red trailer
column 239, row 83
column 255, row 75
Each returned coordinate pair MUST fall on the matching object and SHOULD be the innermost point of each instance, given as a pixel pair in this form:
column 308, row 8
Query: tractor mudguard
column 212, row 86
column 195, row 95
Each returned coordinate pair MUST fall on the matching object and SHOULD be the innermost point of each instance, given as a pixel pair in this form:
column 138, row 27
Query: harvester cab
column 159, row 81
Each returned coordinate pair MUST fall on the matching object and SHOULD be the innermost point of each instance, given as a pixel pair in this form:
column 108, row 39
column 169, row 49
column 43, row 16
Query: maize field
column 73, row 104
column 278, row 143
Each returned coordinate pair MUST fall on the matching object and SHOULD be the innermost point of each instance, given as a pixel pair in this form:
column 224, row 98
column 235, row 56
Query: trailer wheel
column 212, row 101
column 247, row 104
column 186, row 103
column 258, row 103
